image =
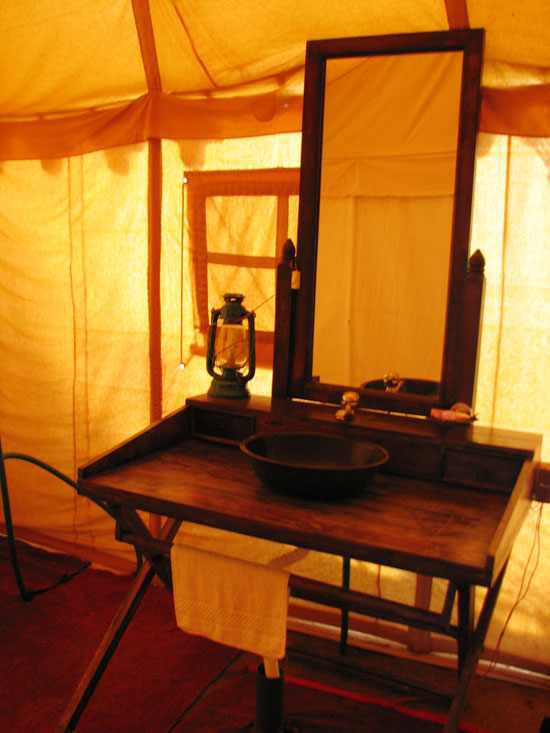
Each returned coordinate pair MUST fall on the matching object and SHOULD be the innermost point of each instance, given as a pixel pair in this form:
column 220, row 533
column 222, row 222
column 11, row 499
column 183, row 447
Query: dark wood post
column 283, row 320
column 474, row 289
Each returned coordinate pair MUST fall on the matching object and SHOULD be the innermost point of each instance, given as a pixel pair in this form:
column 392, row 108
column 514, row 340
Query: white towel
column 229, row 600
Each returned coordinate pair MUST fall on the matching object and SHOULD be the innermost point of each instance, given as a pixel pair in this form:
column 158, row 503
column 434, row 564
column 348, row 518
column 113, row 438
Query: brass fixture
column 393, row 382
column 350, row 401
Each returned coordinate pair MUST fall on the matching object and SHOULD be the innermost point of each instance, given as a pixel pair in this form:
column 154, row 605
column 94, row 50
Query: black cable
column 26, row 594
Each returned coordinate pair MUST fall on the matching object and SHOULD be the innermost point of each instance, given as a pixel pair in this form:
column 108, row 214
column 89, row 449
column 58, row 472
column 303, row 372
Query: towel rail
column 330, row 595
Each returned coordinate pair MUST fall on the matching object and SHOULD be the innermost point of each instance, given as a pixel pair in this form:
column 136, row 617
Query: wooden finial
column 476, row 263
column 289, row 250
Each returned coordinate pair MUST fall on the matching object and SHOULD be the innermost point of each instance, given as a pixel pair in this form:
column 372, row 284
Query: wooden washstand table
column 449, row 504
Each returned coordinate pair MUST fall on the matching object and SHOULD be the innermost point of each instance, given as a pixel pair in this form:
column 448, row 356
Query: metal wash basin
column 314, row 465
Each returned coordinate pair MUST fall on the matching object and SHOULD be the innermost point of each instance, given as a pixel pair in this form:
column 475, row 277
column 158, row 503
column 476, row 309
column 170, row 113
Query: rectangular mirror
column 388, row 154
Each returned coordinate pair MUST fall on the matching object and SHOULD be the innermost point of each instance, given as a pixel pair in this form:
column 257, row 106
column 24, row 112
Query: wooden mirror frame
column 295, row 308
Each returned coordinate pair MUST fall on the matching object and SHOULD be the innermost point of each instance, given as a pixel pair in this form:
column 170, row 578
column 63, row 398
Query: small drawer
column 486, row 470
column 222, row 427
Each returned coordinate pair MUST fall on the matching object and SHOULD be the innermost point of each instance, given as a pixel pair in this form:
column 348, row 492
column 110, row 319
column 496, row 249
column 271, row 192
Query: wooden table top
column 432, row 528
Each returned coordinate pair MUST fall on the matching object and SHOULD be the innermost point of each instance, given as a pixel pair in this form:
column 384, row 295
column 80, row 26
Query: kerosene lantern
column 231, row 358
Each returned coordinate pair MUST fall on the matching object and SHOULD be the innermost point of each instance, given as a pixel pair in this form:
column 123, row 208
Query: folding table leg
column 105, row 651
column 344, row 614
column 471, row 657
column 466, row 615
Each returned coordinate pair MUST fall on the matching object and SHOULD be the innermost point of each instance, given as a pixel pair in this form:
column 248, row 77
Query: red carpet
column 308, row 708
column 46, row 645
column 156, row 675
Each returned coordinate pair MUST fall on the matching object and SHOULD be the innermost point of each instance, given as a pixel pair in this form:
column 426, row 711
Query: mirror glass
column 388, row 154
column 388, row 158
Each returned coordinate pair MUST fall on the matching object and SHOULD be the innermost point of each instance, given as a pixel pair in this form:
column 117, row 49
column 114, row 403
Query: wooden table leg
column 114, row 634
column 106, row 649
column 344, row 614
column 466, row 615
column 472, row 655
column 420, row 640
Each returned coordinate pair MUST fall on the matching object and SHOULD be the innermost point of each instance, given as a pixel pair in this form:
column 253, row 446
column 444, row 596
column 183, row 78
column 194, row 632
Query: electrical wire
column 522, row 592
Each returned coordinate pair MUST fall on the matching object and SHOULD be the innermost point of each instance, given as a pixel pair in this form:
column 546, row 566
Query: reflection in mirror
column 386, row 284
column 389, row 146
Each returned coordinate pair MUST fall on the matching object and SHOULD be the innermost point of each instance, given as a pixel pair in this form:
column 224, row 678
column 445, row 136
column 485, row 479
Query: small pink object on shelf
column 459, row 412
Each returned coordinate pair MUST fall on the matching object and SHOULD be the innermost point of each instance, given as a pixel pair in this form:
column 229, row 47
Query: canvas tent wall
column 104, row 107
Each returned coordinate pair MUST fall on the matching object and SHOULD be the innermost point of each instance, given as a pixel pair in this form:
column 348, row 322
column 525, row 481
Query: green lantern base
column 228, row 388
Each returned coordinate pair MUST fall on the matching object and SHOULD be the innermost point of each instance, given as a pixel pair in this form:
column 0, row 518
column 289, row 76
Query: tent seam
column 194, row 49
column 146, row 37
column 457, row 14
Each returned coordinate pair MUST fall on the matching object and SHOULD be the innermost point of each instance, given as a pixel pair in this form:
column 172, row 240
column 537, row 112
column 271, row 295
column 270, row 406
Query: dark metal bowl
column 314, row 465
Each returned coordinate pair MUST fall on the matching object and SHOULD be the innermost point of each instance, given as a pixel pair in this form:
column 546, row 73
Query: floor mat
column 308, row 708
column 46, row 645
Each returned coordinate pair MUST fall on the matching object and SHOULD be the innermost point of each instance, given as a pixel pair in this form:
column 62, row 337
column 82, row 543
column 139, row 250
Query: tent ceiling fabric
column 61, row 58
column 238, row 43
column 159, row 61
